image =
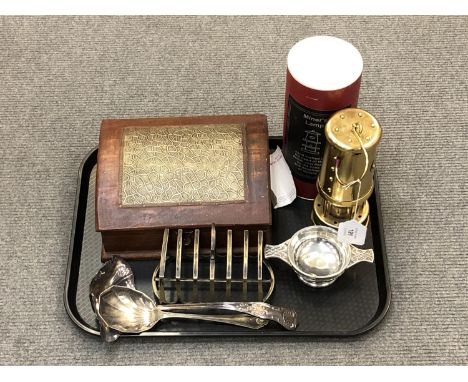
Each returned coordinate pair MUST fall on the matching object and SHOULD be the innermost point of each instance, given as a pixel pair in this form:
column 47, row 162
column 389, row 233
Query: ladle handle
column 284, row 316
column 243, row 320
column 359, row 255
column 279, row 251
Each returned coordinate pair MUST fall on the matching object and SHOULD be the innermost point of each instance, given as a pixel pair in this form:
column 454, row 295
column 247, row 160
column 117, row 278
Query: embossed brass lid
column 187, row 164
column 340, row 126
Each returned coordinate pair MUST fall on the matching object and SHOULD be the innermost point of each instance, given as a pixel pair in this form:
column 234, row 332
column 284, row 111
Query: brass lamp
column 346, row 178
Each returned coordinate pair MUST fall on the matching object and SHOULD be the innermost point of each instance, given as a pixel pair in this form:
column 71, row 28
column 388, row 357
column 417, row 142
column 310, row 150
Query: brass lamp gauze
column 346, row 178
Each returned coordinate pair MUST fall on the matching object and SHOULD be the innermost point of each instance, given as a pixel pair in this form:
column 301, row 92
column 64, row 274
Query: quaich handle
column 359, row 255
column 279, row 251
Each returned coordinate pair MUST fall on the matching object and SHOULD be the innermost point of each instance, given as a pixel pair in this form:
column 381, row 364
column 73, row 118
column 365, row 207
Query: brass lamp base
column 332, row 215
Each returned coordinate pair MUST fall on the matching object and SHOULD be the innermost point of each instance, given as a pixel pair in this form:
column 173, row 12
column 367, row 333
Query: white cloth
column 282, row 183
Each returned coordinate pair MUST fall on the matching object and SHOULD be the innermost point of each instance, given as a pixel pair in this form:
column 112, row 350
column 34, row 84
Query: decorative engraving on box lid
column 182, row 165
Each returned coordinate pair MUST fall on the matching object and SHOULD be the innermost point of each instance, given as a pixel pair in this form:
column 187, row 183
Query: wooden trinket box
column 187, row 172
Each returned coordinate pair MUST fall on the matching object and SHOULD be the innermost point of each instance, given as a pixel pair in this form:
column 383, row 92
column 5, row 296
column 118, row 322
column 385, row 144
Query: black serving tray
column 354, row 304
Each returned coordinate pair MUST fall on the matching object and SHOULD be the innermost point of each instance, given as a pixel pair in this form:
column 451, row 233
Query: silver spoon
column 130, row 311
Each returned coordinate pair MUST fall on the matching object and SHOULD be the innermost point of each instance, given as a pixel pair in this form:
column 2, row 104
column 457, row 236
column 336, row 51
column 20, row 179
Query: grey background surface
column 59, row 77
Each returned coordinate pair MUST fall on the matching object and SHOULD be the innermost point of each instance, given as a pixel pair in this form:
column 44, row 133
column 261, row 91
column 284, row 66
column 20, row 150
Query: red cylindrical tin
column 323, row 76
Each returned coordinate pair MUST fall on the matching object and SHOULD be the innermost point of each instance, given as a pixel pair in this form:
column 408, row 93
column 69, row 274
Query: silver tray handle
column 279, row 251
column 359, row 255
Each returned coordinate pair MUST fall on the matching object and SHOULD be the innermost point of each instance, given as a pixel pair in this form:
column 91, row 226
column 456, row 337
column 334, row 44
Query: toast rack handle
column 359, row 255
column 279, row 251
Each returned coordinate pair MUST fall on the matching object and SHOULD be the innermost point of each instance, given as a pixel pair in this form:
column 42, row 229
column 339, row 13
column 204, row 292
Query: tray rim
column 376, row 320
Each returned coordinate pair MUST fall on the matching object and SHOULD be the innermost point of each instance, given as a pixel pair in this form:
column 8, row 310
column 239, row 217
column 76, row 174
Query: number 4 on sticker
column 352, row 232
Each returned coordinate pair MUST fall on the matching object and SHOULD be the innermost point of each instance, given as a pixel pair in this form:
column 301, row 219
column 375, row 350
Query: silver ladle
column 131, row 311
column 114, row 272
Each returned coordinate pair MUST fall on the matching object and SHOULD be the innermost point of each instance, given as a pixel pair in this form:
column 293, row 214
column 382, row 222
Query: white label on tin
column 352, row 232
